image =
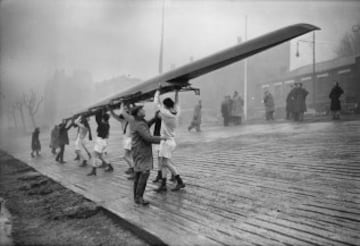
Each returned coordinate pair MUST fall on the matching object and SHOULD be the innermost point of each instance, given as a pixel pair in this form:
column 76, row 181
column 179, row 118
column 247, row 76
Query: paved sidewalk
column 264, row 184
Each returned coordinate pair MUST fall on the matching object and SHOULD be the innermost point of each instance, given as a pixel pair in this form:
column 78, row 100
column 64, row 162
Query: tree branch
column 38, row 105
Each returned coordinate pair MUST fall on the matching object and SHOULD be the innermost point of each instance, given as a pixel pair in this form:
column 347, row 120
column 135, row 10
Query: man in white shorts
column 80, row 142
column 101, row 142
column 169, row 112
column 125, row 125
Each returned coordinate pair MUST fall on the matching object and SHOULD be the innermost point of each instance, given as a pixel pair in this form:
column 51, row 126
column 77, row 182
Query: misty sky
column 111, row 38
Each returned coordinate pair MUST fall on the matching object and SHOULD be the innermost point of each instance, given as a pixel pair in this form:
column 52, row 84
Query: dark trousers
column 226, row 120
column 60, row 155
column 289, row 115
column 269, row 115
column 140, row 181
column 299, row 116
column 236, row 120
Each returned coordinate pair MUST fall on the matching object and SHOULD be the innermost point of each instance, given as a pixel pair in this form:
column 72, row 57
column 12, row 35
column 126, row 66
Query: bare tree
column 349, row 45
column 32, row 104
column 19, row 106
column 12, row 114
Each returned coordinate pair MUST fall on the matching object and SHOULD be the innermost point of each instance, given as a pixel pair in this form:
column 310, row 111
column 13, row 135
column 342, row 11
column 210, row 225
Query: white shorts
column 100, row 145
column 79, row 143
column 166, row 148
column 156, row 147
column 127, row 143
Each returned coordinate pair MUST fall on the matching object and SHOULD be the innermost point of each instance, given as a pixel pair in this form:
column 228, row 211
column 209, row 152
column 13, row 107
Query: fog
column 88, row 42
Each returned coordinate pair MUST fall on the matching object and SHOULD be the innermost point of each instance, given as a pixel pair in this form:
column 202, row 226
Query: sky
column 110, row 38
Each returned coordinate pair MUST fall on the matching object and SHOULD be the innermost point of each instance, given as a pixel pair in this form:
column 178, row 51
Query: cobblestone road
column 264, row 184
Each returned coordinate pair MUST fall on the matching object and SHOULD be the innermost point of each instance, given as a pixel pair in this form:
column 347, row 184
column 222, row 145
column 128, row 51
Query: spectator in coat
column 226, row 109
column 300, row 95
column 237, row 108
column 196, row 120
column 269, row 105
column 335, row 105
column 35, row 142
column 290, row 103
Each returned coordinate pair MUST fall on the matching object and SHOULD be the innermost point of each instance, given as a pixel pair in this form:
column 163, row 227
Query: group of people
column 296, row 102
column 232, row 109
column 138, row 143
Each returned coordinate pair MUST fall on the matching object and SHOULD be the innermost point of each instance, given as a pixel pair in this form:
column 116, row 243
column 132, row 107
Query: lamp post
column 245, row 76
column 239, row 40
column 313, row 65
column 161, row 55
column 355, row 29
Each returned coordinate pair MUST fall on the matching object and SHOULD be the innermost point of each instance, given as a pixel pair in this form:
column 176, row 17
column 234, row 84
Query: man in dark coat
column 142, row 142
column 300, row 95
column 35, row 142
column 226, row 109
column 335, row 105
column 63, row 139
column 290, row 103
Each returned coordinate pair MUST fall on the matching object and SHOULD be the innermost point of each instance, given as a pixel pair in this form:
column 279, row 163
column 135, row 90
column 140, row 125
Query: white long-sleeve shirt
column 168, row 119
column 125, row 126
column 82, row 130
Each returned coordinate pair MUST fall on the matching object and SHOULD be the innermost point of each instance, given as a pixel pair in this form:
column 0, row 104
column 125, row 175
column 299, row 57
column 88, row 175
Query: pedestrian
column 290, row 103
column 335, row 105
column 196, row 120
column 237, row 108
column 169, row 113
column 80, row 142
column 126, row 129
column 101, row 142
column 54, row 136
column 300, row 95
column 269, row 105
column 63, row 139
column 226, row 110
column 35, row 142
column 142, row 153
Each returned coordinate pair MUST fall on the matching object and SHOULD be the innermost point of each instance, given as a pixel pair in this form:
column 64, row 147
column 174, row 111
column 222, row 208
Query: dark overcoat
column 300, row 95
column 141, row 143
column 335, row 94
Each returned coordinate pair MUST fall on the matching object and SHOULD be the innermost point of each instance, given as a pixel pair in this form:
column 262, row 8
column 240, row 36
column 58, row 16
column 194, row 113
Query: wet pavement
column 262, row 184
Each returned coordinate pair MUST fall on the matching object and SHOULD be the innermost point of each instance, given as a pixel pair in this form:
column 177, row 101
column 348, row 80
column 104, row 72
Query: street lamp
column 161, row 55
column 313, row 63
